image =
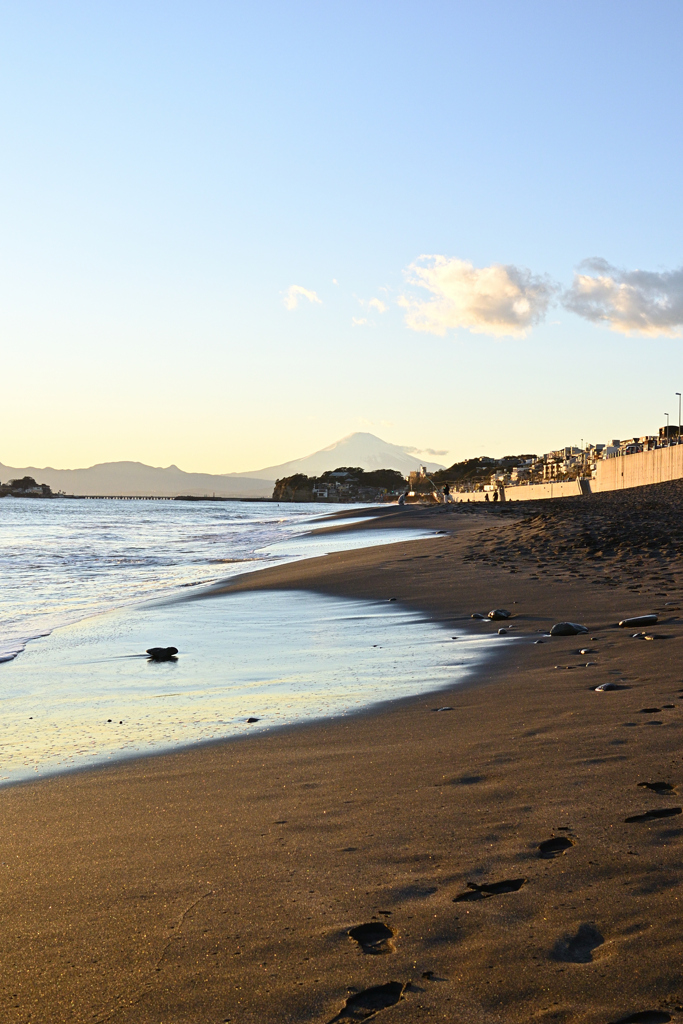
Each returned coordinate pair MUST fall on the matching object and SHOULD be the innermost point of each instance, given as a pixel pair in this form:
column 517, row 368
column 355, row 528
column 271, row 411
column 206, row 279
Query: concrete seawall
column 531, row 492
column 616, row 474
column 639, row 470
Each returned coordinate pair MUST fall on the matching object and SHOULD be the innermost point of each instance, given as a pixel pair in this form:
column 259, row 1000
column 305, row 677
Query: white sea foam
column 87, row 693
column 63, row 560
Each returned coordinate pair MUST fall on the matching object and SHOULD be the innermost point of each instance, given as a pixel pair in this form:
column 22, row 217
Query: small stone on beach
column 249, row 720
column 498, row 613
column 568, row 629
column 162, row 653
column 639, row 620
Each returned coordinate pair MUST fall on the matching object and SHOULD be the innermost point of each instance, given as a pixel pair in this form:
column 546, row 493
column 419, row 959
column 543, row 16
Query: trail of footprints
column 376, row 938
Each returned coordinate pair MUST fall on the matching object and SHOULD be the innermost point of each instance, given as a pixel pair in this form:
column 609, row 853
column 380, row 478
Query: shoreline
column 249, row 663
column 220, row 883
column 32, row 628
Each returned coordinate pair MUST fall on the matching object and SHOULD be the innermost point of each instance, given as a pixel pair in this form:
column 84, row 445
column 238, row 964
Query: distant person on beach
column 446, row 494
column 495, row 495
column 402, row 499
column 486, row 496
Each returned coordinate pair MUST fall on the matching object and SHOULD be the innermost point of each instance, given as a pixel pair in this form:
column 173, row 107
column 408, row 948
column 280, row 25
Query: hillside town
column 344, row 484
column 563, row 464
column 471, row 476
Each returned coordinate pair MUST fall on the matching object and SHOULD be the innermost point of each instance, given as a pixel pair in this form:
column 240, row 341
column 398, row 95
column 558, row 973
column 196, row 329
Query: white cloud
column 427, row 451
column 296, row 292
column 498, row 300
column 628, row 301
column 358, row 321
column 374, row 303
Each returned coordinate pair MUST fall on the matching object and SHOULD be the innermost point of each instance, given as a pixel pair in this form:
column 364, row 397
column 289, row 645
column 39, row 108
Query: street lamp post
column 667, row 428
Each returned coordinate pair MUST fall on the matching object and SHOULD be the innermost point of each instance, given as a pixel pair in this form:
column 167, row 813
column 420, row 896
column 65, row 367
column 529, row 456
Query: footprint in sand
column 656, row 812
column 645, row 1017
column 555, row 847
column 365, row 1004
column 662, row 788
column 483, row 892
column 578, row 949
column 373, row 937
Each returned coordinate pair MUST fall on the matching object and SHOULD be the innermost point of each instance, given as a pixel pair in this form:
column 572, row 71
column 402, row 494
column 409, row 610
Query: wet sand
column 219, row 884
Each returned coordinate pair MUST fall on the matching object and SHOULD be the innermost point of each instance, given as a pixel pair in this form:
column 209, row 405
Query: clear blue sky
column 171, row 169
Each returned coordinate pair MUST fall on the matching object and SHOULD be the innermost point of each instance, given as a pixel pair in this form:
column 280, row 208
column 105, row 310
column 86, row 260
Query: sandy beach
column 220, row 884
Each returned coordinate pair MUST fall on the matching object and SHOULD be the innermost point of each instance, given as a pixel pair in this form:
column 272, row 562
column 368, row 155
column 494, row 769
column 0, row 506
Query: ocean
column 90, row 585
column 64, row 560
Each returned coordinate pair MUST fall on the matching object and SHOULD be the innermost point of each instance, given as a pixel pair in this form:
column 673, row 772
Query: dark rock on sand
column 639, row 620
column 250, row 720
column 498, row 613
column 568, row 629
column 162, row 653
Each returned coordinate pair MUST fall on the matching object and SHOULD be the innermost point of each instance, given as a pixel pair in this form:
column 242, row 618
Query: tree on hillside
column 27, row 487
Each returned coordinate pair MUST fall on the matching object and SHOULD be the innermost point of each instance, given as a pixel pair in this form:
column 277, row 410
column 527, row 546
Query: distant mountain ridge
column 359, row 449
column 135, row 479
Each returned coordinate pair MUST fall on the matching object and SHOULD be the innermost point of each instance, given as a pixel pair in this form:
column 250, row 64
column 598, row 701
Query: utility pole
column 678, row 393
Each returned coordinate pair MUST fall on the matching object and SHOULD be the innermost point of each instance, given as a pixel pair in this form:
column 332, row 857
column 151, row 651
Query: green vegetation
column 474, row 471
column 346, row 483
column 26, row 487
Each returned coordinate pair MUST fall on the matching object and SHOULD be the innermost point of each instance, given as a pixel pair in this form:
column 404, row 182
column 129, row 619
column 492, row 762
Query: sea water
column 88, row 694
column 64, row 560
column 107, row 580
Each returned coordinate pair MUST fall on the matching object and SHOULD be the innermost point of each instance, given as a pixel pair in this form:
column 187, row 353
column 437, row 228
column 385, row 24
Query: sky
column 231, row 234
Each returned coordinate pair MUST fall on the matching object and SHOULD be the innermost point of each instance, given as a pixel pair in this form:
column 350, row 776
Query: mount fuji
column 135, row 479
column 359, row 449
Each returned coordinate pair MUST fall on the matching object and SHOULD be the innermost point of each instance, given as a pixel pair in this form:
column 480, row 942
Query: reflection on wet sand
column 89, row 693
